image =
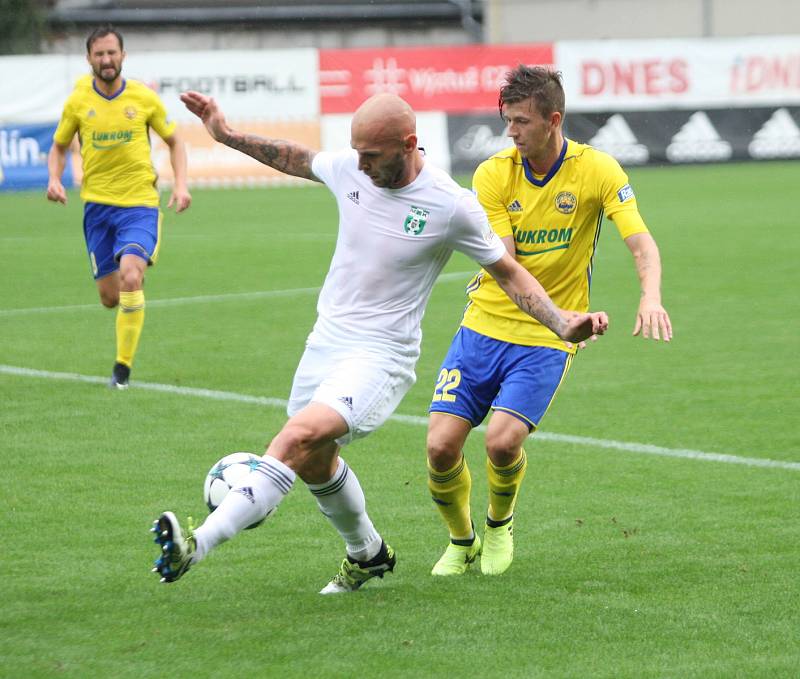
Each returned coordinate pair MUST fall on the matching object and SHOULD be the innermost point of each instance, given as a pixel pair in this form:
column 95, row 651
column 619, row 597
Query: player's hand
column 56, row 192
column 581, row 345
column 652, row 320
column 580, row 327
column 207, row 109
column 180, row 198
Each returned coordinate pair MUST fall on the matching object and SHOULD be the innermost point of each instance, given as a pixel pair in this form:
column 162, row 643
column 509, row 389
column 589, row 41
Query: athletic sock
column 130, row 320
column 450, row 490
column 342, row 501
column 248, row 502
column 504, row 485
column 379, row 558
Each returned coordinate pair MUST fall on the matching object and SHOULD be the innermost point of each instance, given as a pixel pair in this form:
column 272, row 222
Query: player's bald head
column 384, row 134
column 383, row 117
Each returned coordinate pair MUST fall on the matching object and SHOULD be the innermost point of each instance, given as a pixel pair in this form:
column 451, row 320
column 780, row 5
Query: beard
column 108, row 69
column 391, row 173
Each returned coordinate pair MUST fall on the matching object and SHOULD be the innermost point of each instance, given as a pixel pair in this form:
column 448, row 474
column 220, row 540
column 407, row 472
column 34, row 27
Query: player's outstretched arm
column 652, row 319
column 528, row 294
column 285, row 156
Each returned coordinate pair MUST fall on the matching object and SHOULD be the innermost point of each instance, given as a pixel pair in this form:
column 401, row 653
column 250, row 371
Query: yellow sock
column 504, row 484
column 450, row 491
column 130, row 319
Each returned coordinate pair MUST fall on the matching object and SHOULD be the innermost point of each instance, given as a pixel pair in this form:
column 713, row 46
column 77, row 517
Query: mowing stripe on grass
column 174, row 301
column 629, row 447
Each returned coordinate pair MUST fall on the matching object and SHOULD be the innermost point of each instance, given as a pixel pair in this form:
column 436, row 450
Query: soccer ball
column 225, row 474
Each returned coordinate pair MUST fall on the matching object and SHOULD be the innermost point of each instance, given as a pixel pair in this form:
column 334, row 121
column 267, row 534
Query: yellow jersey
column 555, row 222
column 115, row 143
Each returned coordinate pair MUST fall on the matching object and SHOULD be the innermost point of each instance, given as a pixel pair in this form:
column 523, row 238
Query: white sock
column 249, row 501
column 342, row 501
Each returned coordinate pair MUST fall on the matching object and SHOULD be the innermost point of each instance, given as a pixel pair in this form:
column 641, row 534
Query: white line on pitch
column 174, row 301
column 629, row 447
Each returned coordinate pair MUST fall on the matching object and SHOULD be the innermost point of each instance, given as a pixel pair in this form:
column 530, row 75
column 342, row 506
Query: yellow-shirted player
column 546, row 197
column 112, row 117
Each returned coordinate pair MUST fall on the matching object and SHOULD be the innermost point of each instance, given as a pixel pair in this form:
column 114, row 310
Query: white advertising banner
column 625, row 75
column 33, row 88
column 249, row 85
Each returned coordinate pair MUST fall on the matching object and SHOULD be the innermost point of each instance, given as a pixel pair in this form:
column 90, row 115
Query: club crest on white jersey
column 416, row 220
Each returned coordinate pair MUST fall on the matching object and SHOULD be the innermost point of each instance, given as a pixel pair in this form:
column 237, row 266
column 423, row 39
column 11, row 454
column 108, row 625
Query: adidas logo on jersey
column 515, row 207
column 779, row 137
column 353, row 195
column 698, row 140
column 617, row 139
column 347, row 400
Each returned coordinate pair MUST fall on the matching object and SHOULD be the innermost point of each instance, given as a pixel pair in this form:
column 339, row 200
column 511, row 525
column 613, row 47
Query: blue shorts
column 112, row 231
column 480, row 373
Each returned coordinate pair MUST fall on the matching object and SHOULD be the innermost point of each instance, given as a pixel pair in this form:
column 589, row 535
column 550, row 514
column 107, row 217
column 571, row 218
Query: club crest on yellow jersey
column 566, row 202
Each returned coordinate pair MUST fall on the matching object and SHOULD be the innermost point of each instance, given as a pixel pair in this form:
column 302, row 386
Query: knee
column 109, row 299
column 130, row 279
column 294, row 440
column 503, row 450
column 443, row 453
column 295, row 445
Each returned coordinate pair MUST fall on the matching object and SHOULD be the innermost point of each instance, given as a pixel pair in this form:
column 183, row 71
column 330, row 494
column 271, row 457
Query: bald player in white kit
column 400, row 219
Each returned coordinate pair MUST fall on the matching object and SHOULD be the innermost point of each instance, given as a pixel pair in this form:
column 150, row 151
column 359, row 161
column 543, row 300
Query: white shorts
column 363, row 384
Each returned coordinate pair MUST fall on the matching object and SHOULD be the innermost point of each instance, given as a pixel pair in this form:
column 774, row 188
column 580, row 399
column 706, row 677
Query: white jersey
column 391, row 247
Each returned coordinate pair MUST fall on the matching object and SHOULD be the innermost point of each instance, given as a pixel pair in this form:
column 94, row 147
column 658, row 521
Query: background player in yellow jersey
column 545, row 197
column 122, row 223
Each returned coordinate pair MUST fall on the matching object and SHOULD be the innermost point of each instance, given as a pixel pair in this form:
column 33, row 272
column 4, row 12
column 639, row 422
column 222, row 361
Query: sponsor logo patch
column 110, row 140
column 625, row 193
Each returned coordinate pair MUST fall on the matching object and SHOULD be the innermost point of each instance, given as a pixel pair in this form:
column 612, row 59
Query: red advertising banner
column 450, row 79
column 630, row 75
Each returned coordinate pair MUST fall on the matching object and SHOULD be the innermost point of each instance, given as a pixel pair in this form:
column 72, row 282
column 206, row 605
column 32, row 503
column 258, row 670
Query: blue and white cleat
column 177, row 547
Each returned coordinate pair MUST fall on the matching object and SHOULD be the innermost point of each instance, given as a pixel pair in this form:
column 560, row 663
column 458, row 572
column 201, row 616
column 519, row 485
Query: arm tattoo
column 285, row 156
column 643, row 261
column 649, row 271
column 542, row 310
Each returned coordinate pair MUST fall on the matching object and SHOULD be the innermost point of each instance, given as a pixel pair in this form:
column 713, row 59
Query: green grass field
column 628, row 564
